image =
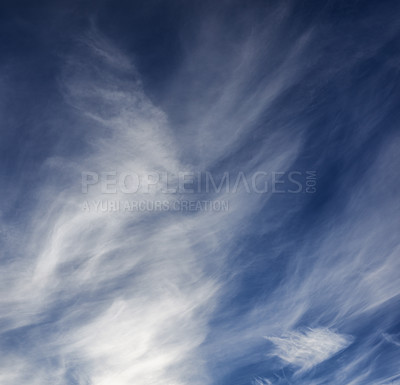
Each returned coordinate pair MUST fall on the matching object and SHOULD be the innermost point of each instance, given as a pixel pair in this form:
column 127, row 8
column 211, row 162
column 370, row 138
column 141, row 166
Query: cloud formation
column 308, row 348
column 281, row 288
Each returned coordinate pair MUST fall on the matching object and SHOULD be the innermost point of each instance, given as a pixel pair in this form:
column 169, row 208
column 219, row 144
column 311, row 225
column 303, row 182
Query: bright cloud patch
column 309, row 348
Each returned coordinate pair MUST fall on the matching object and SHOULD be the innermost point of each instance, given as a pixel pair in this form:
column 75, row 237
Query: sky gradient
column 119, row 117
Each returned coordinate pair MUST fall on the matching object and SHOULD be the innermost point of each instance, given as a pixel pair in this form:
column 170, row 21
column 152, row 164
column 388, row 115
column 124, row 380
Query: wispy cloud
column 129, row 297
column 160, row 297
column 308, row 348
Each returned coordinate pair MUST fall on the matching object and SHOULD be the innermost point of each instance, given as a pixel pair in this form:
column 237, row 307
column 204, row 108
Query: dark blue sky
column 282, row 288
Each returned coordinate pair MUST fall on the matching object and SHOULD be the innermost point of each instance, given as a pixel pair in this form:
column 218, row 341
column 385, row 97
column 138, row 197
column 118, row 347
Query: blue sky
column 111, row 278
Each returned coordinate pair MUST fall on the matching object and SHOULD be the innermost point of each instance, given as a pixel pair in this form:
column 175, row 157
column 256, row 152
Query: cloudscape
column 200, row 192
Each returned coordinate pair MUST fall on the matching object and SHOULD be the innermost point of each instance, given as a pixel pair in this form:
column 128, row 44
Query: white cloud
column 261, row 381
column 138, row 290
column 308, row 348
